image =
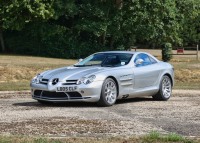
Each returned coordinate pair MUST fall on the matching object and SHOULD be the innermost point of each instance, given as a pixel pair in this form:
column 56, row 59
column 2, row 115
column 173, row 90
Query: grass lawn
column 153, row 137
column 187, row 73
column 17, row 71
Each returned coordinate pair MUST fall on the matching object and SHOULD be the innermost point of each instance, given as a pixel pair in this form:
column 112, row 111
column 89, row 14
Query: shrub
column 50, row 40
column 167, row 52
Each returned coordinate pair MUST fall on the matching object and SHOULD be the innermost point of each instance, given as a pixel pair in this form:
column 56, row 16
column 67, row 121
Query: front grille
column 44, row 81
column 70, row 82
column 57, row 95
column 37, row 92
column 74, row 95
column 54, row 94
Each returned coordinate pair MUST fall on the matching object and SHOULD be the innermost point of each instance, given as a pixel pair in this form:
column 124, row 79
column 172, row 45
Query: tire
column 165, row 89
column 108, row 93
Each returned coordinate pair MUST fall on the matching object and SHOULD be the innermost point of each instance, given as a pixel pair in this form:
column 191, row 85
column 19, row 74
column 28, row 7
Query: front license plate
column 66, row 89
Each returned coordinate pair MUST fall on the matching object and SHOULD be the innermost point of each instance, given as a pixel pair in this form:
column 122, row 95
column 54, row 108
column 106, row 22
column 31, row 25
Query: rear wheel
column 165, row 89
column 108, row 93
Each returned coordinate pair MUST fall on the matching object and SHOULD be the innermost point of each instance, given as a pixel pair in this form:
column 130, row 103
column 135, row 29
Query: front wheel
column 108, row 93
column 165, row 89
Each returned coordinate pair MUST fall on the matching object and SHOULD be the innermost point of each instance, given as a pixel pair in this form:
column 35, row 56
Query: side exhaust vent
column 125, row 96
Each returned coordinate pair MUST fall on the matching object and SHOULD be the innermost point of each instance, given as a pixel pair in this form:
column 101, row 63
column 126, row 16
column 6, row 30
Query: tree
column 105, row 24
column 154, row 21
column 96, row 18
column 14, row 14
column 189, row 18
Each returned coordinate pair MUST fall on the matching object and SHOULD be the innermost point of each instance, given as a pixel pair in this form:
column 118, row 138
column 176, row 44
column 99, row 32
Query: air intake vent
column 70, row 82
column 44, row 81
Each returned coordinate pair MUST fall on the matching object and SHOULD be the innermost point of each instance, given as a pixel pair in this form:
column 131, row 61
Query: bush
column 167, row 52
column 50, row 40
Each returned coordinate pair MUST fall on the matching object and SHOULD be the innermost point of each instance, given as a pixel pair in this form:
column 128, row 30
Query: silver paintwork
column 131, row 81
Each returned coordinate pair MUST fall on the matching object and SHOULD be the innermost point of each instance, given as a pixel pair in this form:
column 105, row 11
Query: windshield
column 106, row 60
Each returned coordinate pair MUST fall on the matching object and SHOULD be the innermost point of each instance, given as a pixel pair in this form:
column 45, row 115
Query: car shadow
column 62, row 104
column 78, row 104
column 137, row 99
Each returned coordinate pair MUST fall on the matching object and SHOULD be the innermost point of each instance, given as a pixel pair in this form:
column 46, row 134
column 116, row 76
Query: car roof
column 128, row 52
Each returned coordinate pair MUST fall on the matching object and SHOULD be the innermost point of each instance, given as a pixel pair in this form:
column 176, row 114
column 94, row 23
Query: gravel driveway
column 20, row 115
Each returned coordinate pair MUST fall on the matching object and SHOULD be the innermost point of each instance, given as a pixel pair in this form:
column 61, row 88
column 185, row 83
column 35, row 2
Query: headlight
column 89, row 80
column 86, row 80
column 36, row 79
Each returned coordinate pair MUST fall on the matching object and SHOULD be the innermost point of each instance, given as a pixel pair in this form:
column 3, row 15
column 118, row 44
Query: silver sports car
column 105, row 77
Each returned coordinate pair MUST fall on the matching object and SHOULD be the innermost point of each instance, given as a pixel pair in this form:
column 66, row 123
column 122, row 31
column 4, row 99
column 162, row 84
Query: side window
column 152, row 60
column 125, row 58
column 145, row 58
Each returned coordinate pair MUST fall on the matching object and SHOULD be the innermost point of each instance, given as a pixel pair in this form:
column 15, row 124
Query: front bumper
column 86, row 93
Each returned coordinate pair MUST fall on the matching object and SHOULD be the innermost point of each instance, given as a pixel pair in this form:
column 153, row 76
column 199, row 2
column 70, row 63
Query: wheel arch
column 112, row 77
column 167, row 74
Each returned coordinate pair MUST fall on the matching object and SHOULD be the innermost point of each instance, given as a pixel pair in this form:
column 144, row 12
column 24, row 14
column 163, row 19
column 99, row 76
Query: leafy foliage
column 48, row 40
column 14, row 14
column 76, row 28
column 189, row 17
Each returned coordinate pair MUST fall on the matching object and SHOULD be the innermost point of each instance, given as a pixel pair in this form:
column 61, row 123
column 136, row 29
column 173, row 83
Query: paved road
column 22, row 115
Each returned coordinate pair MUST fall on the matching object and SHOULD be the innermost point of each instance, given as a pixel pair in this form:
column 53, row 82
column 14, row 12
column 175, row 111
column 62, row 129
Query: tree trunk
column 104, row 38
column 112, row 40
column 2, row 40
column 119, row 3
column 105, row 32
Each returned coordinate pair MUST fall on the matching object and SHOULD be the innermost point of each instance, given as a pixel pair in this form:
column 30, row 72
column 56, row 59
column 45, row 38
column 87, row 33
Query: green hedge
column 50, row 40
column 166, row 52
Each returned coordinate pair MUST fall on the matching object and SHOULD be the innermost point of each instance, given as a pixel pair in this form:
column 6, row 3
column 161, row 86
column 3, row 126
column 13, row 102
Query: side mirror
column 139, row 62
column 79, row 60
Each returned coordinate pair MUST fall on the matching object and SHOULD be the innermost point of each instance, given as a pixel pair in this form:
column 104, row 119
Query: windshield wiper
column 79, row 65
column 107, row 65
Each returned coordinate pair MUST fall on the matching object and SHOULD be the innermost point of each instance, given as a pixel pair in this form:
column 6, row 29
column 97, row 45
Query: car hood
column 70, row 73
